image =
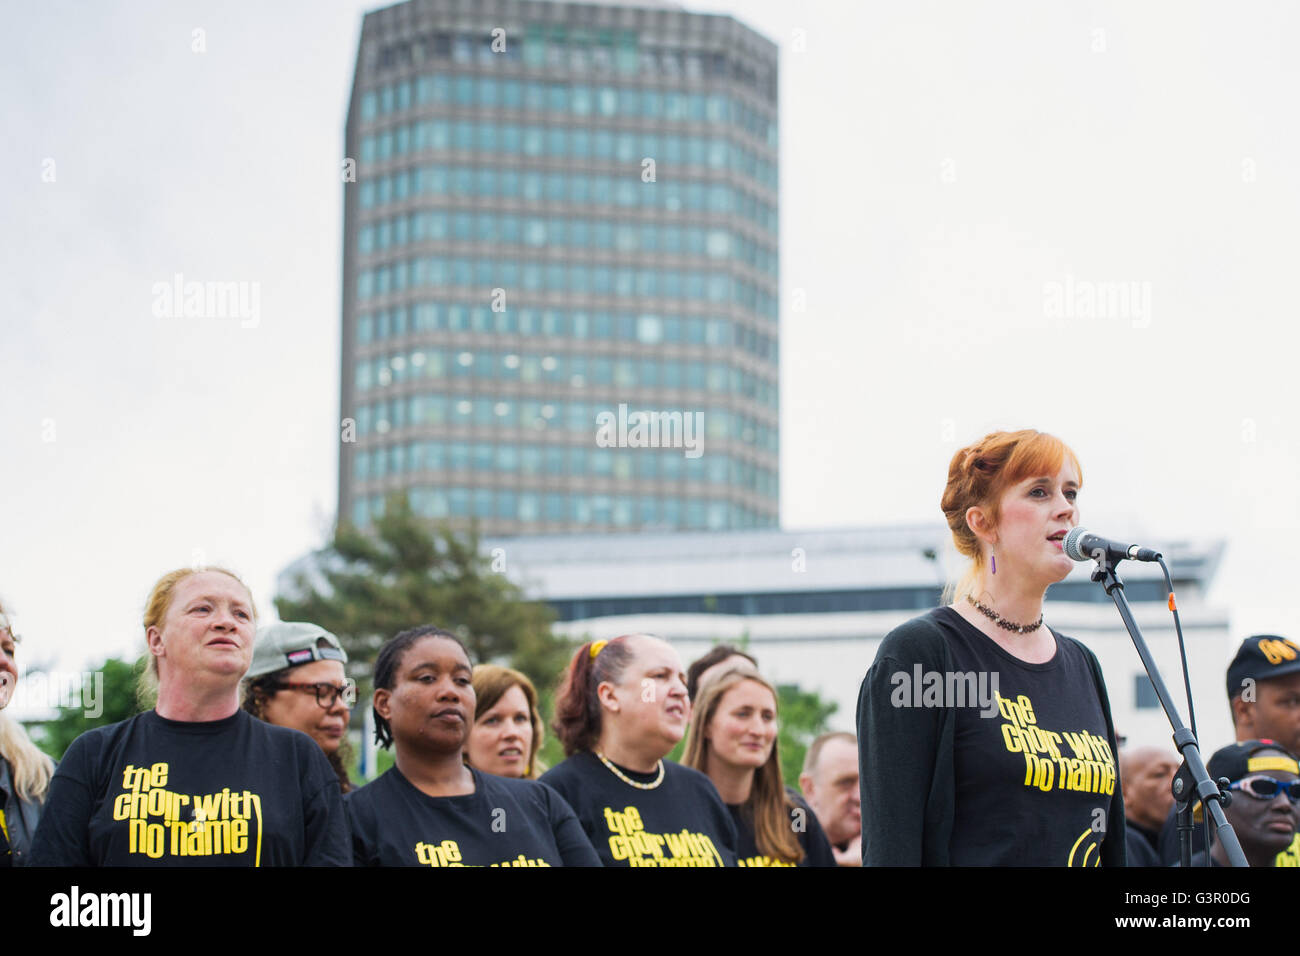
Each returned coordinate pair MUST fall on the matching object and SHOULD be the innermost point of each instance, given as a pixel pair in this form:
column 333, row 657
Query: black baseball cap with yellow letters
column 1241, row 759
column 1262, row 657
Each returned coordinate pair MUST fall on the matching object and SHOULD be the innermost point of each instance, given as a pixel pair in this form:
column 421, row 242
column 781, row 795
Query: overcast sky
column 961, row 187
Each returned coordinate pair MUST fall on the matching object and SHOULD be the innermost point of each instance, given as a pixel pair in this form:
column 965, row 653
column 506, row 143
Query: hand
column 851, row 855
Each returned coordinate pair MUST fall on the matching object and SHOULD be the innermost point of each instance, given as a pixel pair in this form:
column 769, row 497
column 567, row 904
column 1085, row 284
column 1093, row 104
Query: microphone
column 1082, row 545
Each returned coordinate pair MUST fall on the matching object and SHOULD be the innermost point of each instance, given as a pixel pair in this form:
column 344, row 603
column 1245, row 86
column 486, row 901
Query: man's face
column 1147, row 773
column 1274, row 714
column 832, row 791
column 1263, row 824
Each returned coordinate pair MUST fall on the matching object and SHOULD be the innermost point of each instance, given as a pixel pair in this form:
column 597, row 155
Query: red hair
column 577, row 707
column 980, row 473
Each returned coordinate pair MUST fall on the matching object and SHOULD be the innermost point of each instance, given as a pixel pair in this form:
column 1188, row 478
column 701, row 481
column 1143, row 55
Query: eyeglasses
column 326, row 694
column 1266, row 788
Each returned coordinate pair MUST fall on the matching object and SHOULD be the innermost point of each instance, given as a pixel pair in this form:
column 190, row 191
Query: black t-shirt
column 807, row 829
column 972, row 757
column 681, row 822
column 504, row 822
column 156, row 792
column 1035, row 780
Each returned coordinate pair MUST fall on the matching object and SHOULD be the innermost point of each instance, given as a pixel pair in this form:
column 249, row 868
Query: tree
column 405, row 573
column 803, row 715
column 115, row 700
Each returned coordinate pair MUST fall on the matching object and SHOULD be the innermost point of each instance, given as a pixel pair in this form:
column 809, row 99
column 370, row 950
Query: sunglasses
column 1266, row 788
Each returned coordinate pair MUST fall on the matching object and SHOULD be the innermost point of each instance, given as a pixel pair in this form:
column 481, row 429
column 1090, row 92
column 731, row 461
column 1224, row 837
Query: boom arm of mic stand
column 1206, row 789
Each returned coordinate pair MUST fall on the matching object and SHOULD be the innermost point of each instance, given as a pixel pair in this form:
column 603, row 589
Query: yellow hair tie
column 597, row 647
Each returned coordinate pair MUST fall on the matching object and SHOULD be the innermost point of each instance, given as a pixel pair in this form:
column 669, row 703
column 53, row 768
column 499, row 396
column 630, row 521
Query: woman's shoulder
column 923, row 638
column 569, row 771
column 288, row 737
column 99, row 740
column 793, row 798
column 520, row 789
column 366, row 795
column 1072, row 645
column 267, row 741
column 91, row 758
column 683, row 776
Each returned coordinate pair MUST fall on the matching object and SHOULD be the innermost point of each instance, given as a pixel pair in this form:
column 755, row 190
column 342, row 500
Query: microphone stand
column 1193, row 769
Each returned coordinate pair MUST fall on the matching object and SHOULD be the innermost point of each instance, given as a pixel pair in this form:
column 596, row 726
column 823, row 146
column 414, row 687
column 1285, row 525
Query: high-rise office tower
column 561, row 248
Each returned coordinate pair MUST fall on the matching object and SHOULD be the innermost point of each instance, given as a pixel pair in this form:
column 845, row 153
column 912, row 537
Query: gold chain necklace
column 628, row 780
column 1001, row 621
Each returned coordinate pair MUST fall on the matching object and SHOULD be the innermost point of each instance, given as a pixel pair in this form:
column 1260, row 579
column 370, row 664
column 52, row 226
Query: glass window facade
column 561, row 274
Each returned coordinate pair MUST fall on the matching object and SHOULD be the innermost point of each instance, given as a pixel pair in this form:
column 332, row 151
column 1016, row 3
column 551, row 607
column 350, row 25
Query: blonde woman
column 24, row 771
column 732, row 740
column 196, row 781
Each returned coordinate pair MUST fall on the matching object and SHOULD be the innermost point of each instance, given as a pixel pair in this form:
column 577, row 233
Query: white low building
column 813, row 607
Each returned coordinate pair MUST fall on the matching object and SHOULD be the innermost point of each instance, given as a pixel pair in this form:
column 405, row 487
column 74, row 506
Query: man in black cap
column 1264, row 694
column 1265, row 786
column 1264, row 690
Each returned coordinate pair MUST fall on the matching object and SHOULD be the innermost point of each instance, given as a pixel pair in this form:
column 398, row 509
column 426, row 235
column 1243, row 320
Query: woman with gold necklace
column 986, row 737
column 621, row 708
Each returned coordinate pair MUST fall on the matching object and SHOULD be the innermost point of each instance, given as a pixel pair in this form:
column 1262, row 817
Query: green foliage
column 115, row 699
column 803, row 716
column 406, row 573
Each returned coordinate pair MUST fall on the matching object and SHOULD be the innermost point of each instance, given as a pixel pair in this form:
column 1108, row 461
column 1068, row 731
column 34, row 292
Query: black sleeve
column 905, row 757
column 571, row 840
column 327, row 833
column 558, row 778
column 63, row 833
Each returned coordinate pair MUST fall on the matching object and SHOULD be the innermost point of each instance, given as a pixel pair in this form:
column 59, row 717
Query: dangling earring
column 994, row 559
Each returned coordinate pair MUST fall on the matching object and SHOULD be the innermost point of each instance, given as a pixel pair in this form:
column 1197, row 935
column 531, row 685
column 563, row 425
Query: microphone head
column 1073, row 544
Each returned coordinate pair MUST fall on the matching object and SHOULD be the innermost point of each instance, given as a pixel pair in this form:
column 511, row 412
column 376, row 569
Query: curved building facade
column 560, row 297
